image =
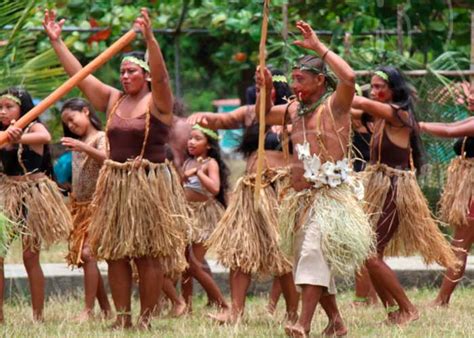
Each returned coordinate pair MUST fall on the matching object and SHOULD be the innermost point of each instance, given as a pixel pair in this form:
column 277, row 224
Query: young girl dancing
column 29, row 198
column 83, row 135
column 205, row 184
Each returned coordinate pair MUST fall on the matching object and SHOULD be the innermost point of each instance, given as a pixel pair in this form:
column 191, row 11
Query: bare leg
column 151, row 282
column 187, row 289
column 275, row 293
column 335, row 325
column 36, row 281
column 179, row 305
column 364, row 290
column 463, row 239
column 92, row 279
column 310, row 296
column 197, row 271
column 2, row 288
column 288, row 288
column 120, row 281
column 239, row 285
column 384, row 278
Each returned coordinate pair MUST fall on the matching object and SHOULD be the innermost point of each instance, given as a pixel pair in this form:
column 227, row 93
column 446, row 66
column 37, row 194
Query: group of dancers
column 150, row 192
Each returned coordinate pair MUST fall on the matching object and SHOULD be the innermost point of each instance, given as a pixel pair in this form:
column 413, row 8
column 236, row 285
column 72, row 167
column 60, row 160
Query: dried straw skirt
column 36, row 207
column 458, row 192
column 138, row 210
column 417, row 232
column 206, row 215
column 346, row 235
column 246, row 237
column 81, row 218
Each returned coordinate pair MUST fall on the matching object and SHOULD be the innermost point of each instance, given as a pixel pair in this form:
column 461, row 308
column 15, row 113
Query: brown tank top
column 128, row 137
column 383, row 150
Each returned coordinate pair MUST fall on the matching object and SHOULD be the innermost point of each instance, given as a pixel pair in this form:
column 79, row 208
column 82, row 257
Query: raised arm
column 378, row 109
column 160, row 83
column 96, row 91
column 456, row 129
column 274, row 115
column 232, row 120
column 342, row 98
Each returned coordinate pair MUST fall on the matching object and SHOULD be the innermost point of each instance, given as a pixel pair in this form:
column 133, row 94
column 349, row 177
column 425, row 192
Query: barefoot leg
column 120, row 281
column 335, row 325
column 288, row 288
column 36, row 281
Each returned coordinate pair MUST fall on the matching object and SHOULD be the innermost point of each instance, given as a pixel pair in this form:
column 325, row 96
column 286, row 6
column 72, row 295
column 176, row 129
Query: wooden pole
column 67, row 86
column 261, row 132
column 471, row 75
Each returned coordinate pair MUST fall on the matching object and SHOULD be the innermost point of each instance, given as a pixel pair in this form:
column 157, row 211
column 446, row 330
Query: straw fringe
column 206, row 216
column 139, row 210
column 81, row 219
column 418, row 232
column 347, row 238
column 458, row 192
column 246, row 237
column 37, row 208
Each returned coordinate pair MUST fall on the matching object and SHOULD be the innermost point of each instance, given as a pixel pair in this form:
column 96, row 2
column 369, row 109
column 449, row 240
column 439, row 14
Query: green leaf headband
column 138, row 62
column 381, row 75
column 11, row 97
column 209, row 132
column 279, row 78
column 358, row 90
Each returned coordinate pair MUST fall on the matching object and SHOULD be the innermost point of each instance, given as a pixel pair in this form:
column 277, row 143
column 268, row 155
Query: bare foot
column 106, row 314
column 296, row 331
column 143, row 325
column 38, row 318
column 291, row 317
column 271, row 308
column 225, row 317
column 84, row 316
column 178, row 309
column 122, row 323
column 438, row 302
column 406, row 317
column 335, row 329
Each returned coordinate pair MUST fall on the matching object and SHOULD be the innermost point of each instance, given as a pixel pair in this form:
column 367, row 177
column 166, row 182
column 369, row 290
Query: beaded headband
column 209, row 132
column 381, row 75
column 11, row 97
column 138, row 62
column 279, row 78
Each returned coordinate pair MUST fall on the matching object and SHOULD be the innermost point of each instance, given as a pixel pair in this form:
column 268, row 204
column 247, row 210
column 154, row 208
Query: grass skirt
column 347, row 238
column 36, row 207
column 458, row 192
column 246, row 237
column 206, row 215
column 418, row 232
column 139, row 209
column 81, row 219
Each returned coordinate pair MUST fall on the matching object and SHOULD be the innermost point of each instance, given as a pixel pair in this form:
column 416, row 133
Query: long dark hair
column 402, row 97
column 26, row 104
column 249, row 142
column 78, row 104
column 215, row 152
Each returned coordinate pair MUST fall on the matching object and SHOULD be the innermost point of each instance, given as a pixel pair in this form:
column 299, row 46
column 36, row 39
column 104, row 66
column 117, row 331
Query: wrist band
column 324, row 55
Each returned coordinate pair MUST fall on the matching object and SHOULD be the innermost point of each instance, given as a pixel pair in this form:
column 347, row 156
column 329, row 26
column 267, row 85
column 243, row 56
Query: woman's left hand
column 143, row 23
column 73, row 144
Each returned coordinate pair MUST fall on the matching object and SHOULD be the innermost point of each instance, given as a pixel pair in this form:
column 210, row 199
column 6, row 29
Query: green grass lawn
column 455, row 321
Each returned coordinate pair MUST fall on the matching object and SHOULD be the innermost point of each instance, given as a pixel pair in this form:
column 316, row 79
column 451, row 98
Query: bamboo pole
column 67, row 86
column 261, row 132
column 471, row 75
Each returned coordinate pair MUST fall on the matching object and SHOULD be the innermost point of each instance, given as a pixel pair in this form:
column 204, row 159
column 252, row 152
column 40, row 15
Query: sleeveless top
column 194, row 183
column 384, row 151
column 464, row 145
column 21, row 160
column 85, row 170
column 129, row 137
column 361, row 149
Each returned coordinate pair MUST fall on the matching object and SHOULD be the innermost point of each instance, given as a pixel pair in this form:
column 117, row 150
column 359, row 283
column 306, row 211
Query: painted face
column 76, row 120
column 380, row 91
column 132, row 77
column 304, row 84
column 9, row 110
column 197, row 143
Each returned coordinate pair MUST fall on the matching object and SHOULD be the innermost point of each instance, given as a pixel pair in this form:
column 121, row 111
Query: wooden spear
column 261, row 131
column 67, row 86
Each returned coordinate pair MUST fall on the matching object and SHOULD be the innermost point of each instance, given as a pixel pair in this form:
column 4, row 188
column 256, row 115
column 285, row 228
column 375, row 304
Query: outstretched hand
column 310, row 39
column 198, row 118
column 143, row 23
column 52, row 27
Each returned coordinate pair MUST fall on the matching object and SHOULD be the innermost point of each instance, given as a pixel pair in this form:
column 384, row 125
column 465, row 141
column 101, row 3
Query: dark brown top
column 384, row 151
column 126, row 137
